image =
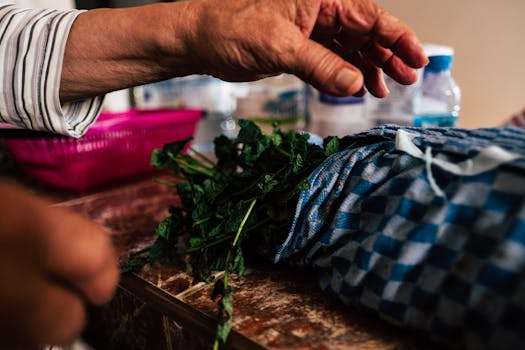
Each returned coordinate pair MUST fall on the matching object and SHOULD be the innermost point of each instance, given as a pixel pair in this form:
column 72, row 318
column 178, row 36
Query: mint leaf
column 241, row 206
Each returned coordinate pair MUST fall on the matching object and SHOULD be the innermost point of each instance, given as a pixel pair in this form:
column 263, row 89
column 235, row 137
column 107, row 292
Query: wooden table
column 275, row 307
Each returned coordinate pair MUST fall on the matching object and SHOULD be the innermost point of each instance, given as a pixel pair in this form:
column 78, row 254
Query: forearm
column 111, row 49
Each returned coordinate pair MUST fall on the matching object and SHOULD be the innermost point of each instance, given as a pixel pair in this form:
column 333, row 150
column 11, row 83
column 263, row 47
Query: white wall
column 489, row 39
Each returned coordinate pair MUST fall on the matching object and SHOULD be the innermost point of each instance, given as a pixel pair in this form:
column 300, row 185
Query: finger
column 374, row 81
column 390, row 33
column 336, row 47
column 324, row 34
column 57, row 317
column 391, row 64
column 379, row 56
column 368, row 18
column 61, row 244
column 79, row 253
column 39, row 312
column 324, row 69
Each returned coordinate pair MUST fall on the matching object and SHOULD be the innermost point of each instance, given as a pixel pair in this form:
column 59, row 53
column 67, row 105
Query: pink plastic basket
column 117, row 146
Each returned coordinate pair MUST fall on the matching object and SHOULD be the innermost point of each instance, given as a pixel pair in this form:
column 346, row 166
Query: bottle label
column 335, row 100
column 436, row 120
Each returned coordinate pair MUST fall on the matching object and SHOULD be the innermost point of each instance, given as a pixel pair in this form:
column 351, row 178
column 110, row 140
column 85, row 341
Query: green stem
column 241, row 226
column 209, row 245
column 222, row 239
column 177, row 175
column 283, row 152
column 229, row 256
column 235, row 240
column 164, row 182
column 201, row 221
column 256, row 182
column 199, row 170
column 203, row 157
column 246, row 189
column 192, row 160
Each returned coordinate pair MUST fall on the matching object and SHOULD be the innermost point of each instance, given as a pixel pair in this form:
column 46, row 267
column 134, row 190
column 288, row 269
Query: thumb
column 325, row 70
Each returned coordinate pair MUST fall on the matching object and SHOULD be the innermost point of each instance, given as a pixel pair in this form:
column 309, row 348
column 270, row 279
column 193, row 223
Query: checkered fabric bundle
column 425, row 228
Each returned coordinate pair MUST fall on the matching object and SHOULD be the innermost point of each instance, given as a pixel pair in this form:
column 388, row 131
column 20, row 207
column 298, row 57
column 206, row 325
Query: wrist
column 111, row 49
column 167, row 36
column 202, row 35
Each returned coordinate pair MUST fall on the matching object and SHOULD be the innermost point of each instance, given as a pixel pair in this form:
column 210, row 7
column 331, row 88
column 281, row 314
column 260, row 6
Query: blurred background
column 489, row 42
column 476, row 78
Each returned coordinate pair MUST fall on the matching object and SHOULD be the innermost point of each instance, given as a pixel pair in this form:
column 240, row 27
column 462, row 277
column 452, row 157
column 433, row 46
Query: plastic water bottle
column 213, row 96
column 336, row 116
column 397, row 107
column 438, row 100
column 279, row 99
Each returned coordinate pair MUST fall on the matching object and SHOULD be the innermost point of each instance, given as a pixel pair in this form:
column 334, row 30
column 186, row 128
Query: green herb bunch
column 242, row 203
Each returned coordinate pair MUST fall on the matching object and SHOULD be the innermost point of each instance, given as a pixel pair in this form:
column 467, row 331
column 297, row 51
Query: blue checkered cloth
column 435, row 249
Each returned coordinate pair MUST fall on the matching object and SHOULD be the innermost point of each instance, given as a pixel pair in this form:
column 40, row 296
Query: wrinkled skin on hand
column 238, row 40
column 52, row 261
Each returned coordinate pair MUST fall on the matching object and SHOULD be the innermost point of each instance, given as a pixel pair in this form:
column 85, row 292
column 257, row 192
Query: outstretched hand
column 52, row 261
column 338, row 46
column 335, row 45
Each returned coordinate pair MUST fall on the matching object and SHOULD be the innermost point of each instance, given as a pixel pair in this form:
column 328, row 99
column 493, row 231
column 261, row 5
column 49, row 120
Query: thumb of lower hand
column 325, row 70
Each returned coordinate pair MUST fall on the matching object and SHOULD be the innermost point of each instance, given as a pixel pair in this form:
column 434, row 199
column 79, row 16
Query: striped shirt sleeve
column 32, row 45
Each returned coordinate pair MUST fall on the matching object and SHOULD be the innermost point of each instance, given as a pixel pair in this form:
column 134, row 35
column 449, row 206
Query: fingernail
column 345, row 79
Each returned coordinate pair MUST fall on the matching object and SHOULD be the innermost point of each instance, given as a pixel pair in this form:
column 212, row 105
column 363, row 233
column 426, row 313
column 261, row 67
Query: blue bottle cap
column 438, row 63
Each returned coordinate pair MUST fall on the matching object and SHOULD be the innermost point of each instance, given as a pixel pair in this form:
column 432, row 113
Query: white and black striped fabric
column 32, row 44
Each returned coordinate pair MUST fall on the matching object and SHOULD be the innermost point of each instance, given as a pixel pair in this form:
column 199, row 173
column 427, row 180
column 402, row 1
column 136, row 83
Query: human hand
column 51, row 262
column 335, row 45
